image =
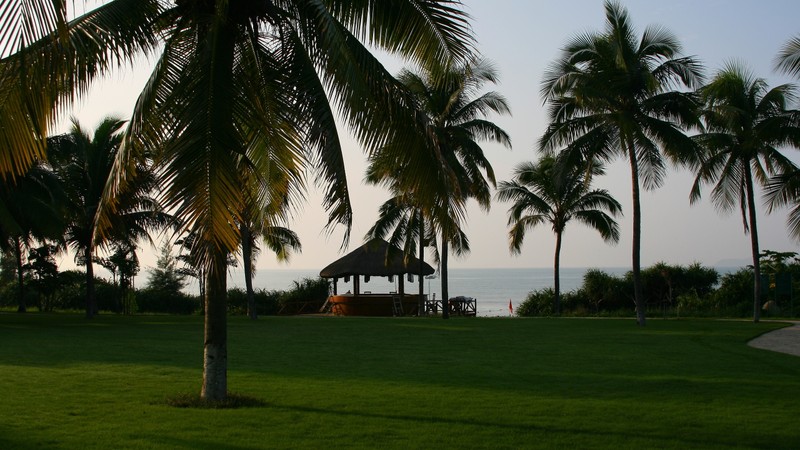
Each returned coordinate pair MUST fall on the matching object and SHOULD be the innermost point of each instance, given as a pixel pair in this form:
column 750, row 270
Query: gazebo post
column 401, row 288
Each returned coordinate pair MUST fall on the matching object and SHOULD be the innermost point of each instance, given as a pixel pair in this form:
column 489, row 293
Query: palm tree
column 123, row 263
column 784, row 189
column 612, row 94
column 788, row 60
column 30, row 210
column 280, row 169
column 746, row 123
column 84, row 164
column 231, row 76
column 447, row 165
column 280, row 240
column 404, row 226
column 546, row 192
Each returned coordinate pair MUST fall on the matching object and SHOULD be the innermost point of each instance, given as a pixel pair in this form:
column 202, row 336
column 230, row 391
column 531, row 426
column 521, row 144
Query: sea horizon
column 494, row 288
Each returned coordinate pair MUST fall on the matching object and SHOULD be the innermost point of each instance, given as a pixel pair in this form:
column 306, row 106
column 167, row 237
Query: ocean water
column 493, row 288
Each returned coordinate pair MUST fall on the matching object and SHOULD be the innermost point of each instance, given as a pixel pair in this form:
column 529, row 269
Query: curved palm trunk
column 557, row 277
column 21, row 306
column 638, row 298
column 91, row 304
column 751, row 206
column 421, row 302
column 445, row 293
column 247, row 258
column 215, row 342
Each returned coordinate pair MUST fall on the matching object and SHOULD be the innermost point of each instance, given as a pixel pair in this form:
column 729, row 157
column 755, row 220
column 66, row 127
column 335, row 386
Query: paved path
column 785, row 340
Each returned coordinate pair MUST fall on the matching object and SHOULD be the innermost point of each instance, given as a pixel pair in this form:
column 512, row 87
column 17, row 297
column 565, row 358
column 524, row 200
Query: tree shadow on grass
column 667, row 438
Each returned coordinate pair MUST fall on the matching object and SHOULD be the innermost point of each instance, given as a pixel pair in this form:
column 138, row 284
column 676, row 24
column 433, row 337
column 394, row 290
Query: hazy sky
column 522, row 37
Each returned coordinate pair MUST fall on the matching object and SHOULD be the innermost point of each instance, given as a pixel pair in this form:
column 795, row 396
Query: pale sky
column 522, row 37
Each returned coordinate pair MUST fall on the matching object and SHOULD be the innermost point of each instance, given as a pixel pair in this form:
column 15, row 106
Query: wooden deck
column 386, row 305
column 459, row 306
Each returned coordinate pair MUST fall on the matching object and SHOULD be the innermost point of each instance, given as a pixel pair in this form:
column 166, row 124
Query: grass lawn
column 67, row 382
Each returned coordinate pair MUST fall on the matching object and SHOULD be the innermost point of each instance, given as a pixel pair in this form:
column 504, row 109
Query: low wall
column 371, row 304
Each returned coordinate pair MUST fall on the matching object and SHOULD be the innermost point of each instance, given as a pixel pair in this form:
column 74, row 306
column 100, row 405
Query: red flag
column 510, row 307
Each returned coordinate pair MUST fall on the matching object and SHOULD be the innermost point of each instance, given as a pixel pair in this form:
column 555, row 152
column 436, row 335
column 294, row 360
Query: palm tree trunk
column 247, row 258
column 91, row 309
column 638, row 298
column 421, row 302
column 445, row 293
column 751, row 207
column 21, row 306
column 215, row 344
column 556, row 276
column 218, row 54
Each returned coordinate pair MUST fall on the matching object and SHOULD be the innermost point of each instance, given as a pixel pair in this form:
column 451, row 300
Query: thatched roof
column 375, row 258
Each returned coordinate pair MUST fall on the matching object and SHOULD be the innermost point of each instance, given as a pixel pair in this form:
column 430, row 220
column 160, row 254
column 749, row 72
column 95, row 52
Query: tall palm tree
column 613, row 94
column 746, row 123
column 446, row 165
column 267, row 202
column 84, row 164
column 231, row 74
column 546, row 192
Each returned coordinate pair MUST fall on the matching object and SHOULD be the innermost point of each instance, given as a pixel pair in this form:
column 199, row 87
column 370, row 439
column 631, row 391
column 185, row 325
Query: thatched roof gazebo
column 376, row 258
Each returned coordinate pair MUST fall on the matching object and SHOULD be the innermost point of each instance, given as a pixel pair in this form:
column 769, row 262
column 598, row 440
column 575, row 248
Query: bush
column 158, row 301
column 539, row 303
column 71, row 295
column 734, row 297
column 604, row 292
column 307, row 295
column 266, row 301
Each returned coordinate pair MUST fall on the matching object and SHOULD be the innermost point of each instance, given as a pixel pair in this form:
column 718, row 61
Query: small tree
column 42, row 264
column 123, row 262
column 166, row 277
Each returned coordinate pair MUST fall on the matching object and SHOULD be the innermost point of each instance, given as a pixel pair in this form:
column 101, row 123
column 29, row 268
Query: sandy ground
column 785, row 340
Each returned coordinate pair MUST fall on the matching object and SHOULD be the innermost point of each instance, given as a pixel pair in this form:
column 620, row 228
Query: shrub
column 734, row 297
column 266, row 301
column 71, row 295
column 158, row 301
column 604, row 292
column 538, row 303
column 307, row 295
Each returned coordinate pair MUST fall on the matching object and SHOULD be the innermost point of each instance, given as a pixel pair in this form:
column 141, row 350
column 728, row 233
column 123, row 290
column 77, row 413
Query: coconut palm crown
column 546, row 192
column 746, row 124
column 435, row 170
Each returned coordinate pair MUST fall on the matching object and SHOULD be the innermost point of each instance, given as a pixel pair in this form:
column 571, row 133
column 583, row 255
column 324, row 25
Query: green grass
column 66, row 382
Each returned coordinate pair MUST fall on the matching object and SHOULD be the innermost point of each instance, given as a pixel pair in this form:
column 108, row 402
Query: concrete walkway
column 785, row 340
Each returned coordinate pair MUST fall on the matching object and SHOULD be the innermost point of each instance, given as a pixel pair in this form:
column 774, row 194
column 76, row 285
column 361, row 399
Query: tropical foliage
column 434, row 172
column 671, row 290
column 233, row 82
column 84, row 163
column 613, row 94
column 552, row 193
column 31, row 210
column 746, row 124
